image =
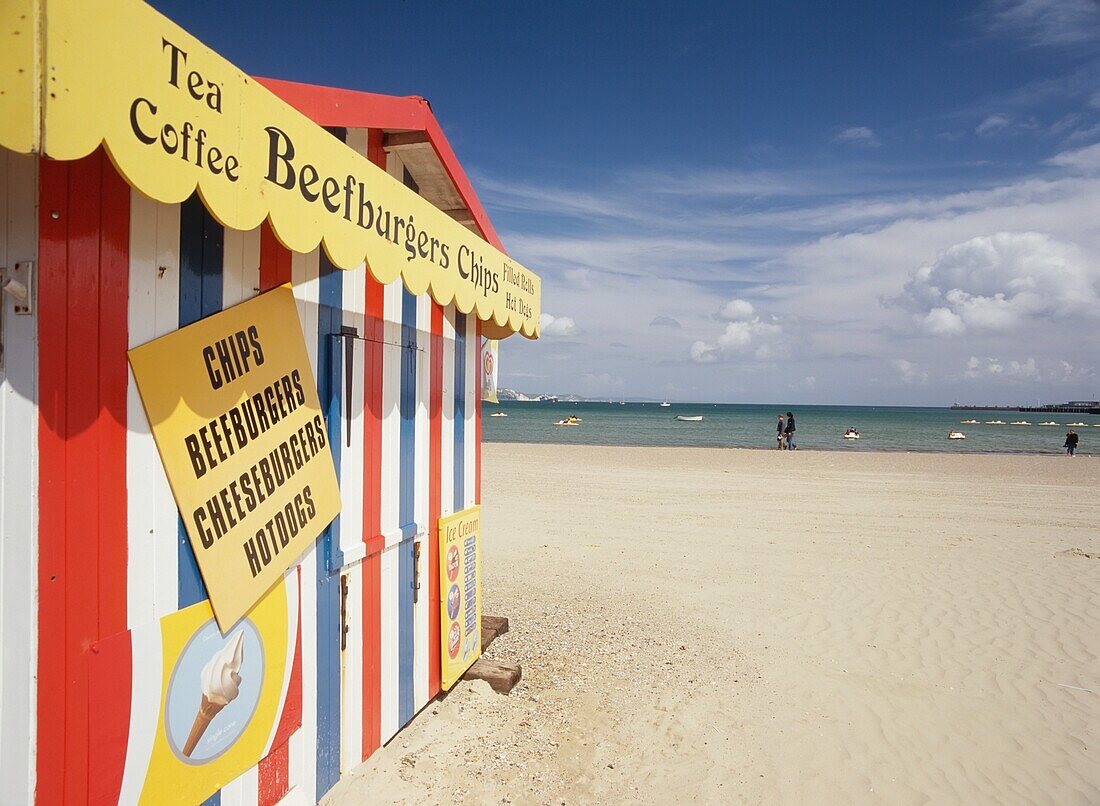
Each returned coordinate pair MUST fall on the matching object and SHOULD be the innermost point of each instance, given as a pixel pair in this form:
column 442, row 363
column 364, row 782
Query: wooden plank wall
column 18, row 485
column 116, row 270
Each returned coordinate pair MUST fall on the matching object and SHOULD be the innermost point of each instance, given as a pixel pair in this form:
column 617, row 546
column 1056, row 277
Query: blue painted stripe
column 202, row 241
column 406, row 631
column 330, row 559
column 460, row 411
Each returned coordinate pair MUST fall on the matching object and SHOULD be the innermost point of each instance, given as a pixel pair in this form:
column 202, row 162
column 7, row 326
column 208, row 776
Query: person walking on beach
column 789, row 431
column 1071, row 442
column 779, row 436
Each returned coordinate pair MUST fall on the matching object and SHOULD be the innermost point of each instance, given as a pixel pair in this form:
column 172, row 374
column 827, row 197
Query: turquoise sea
column 882, row 428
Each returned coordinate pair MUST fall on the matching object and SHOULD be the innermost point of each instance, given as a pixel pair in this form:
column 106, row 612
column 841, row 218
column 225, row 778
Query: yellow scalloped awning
column 175, row 116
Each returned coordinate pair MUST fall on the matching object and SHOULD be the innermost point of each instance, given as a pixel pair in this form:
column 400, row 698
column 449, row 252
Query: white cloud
column 557, row 325
column 835, row 261
column 857, row 135
column 1047, row 22
column 997, row 282
column 737, row 310
column 1085, row 159
column 1028, row 369
column 665, row 321
column 908, row 371
column 992, row 125
column 942, row 322
column 748, row 335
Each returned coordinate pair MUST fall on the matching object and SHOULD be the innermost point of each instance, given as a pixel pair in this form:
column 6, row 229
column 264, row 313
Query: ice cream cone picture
column 220, row 681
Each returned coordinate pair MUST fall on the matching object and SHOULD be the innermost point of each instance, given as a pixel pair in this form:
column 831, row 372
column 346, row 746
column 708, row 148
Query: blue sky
column 851, row 202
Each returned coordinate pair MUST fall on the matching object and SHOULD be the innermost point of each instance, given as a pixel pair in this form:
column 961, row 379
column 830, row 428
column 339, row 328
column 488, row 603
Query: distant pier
column 1072, row 407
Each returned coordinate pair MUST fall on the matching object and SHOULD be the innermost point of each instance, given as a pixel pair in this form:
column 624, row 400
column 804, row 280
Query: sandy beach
column 738, row 626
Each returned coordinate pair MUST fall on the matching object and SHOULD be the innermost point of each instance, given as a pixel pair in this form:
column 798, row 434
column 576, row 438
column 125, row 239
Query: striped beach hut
column 109, row 240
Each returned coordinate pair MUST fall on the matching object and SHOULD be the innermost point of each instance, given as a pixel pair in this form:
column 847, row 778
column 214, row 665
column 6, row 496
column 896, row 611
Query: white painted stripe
column 389, row 660
column 423, row 458
column 351, row 458
column 391, row 411
column 152, row 517
column 146, row 651
column 307, row 293
column 290, row 582
column 447, row 452
column 303, row 772
column 18, row 488
column 473, row 359
column 244, row 790
column 298, row 761
column 240, row 266
column 351, row 695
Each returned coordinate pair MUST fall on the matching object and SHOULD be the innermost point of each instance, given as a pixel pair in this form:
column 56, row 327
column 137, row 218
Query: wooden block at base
column 491, row 627
column 503, row 677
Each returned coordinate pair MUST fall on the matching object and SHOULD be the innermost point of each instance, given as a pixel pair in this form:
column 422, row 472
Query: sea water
column 882, row 428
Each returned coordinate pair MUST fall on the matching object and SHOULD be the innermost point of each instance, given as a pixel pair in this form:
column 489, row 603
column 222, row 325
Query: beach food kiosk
column 241, row 322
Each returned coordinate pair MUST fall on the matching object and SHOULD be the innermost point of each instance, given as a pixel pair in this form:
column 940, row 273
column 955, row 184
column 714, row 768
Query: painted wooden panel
column 151, row 510
column 83, row 279
column 18, row 485
column 404, row 433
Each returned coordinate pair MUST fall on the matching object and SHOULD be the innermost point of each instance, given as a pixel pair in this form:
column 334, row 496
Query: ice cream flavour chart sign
column 233, row 408
column 460, row 592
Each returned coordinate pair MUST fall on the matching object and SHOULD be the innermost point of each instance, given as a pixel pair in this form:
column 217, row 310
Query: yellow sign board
column 175, row 116
column 234, row 411
column 206, row 738
column 203, row 705
column 460, row 593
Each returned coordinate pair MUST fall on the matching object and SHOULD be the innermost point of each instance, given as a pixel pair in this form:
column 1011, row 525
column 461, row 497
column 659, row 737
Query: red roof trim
column 330, row 106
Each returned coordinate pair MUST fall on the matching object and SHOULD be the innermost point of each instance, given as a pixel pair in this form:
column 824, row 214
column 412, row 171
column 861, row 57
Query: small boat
column 499, row 414
column 1049, row 423
column 697, row 418
column 567, row 422
column 1021, row 422
column 994, row 422
column 969, row 422
column 1077, row 425
column 852, row 434
column 665, row 404
column 956, row 435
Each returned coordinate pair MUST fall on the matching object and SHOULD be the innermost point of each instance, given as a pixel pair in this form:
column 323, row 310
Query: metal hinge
column 17, row 282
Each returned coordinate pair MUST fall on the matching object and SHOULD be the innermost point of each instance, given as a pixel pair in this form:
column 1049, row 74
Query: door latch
column 343, row 612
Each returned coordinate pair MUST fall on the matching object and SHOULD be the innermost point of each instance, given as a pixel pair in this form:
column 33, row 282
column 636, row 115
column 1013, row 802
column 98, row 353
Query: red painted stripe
column 274, row 260
column 111, row 678
column 435, row 494
column 274, row 776
column 83, row 285
column 53, row 254
column 274, row 769
column 477, row 414
column 372, row 494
